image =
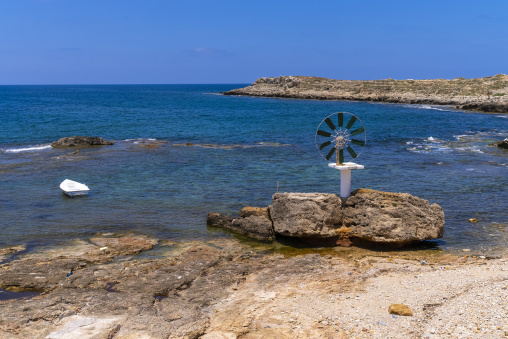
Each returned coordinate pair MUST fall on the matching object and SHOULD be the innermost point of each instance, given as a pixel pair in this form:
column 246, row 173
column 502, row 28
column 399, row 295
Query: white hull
column 74, row 188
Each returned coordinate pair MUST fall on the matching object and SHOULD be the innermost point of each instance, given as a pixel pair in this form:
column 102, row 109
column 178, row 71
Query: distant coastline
column 488, row 94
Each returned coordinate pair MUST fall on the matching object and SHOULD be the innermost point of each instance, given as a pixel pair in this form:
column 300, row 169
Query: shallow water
column 216, row 153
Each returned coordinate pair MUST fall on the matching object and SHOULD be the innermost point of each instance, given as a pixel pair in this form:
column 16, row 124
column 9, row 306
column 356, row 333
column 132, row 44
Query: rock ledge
column 366, row 217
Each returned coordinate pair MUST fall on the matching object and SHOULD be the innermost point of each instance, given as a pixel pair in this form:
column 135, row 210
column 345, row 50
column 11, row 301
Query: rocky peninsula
column 488, row 94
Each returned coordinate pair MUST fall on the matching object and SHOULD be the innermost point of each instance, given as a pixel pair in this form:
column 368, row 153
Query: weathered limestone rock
column 254, row 226
column 80, row 141
column 247, row 211
column 323, row 219
column 46, row 270
column 394, row 218
column 306, row 214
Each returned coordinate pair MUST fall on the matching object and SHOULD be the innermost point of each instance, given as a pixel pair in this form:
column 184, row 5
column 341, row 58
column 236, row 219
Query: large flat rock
column 306, row 214
column 396, row 218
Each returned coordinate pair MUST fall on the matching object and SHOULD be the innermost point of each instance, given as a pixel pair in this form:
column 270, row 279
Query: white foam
column 502, row 116
column 27, row 149
column 430, row 139
column 140, row 140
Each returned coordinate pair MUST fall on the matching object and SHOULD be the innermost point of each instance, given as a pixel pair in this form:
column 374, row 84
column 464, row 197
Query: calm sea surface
column 220, row 153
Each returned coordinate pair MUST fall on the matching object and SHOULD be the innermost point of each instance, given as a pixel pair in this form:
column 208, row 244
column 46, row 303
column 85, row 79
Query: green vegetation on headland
column 488, row 94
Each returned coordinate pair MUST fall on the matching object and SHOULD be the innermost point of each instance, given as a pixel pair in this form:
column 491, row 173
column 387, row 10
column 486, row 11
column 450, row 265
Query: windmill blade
column 351, row 122
column 358, row 131
column 358, row 142
column 323, row 133
column 341, row 156
column 350, row 150
column 324, row 144
column 330, row 124
column 329, row 155
column 341, row 119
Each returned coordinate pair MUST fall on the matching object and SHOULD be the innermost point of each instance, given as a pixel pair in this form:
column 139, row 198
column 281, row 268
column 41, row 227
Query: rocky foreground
column 111, row 287
column 489, row 94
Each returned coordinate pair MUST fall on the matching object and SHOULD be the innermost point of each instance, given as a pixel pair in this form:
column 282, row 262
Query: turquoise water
column 220, row 153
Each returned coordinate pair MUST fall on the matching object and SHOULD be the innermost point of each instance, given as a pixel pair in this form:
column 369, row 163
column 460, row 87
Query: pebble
column 466, row 250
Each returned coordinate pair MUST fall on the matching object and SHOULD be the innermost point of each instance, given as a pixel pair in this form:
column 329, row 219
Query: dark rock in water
column 254, row 226
column 219, row 220
column 392, row 218
column 502, row 144
column 306, row 214
column 80, row 141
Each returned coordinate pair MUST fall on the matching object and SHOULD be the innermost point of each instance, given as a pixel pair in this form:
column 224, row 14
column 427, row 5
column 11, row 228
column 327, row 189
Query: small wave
column 470, row 149
column 141, row 139
column 502, row 116
column 27, row 149
column 433, row 107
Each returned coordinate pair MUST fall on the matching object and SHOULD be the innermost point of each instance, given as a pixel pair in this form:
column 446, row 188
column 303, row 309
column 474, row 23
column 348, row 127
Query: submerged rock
column 80, row 141
column 502, row 144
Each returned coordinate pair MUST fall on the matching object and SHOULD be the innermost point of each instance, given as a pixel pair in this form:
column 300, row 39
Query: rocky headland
column 488, row 94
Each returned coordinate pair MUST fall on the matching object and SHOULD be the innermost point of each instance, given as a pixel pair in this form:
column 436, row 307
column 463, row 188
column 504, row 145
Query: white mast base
column 345, row 176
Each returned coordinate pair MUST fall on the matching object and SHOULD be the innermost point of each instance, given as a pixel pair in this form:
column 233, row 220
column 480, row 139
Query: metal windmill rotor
column 341, row 136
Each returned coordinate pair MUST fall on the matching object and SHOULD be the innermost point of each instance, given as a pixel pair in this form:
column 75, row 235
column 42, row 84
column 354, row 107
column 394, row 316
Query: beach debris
column 473, row 220
column 400, row 309
column 466, row 250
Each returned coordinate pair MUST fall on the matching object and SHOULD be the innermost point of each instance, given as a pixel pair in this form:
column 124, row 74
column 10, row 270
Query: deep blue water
column 240, row 148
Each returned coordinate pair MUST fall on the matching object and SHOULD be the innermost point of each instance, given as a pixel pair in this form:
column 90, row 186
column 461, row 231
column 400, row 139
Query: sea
column 182, row 151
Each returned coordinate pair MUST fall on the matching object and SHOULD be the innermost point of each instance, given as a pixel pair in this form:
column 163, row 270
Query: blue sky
column 190, row 41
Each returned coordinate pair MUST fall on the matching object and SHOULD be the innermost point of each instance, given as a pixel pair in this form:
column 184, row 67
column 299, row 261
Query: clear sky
column 237, row 41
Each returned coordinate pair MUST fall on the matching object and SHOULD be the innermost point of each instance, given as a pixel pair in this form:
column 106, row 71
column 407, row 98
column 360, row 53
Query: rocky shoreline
column 489, row 94
column 107, row 287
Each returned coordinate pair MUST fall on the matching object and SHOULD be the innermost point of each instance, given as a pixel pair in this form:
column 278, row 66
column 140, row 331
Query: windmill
column 336, row 139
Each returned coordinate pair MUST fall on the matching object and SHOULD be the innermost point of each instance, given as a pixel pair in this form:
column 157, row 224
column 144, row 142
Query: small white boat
column 74, row 188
